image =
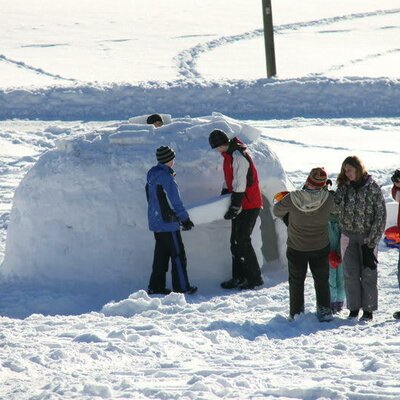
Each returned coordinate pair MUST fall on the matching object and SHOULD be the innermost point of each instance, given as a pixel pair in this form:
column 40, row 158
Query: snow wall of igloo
column 80, row 214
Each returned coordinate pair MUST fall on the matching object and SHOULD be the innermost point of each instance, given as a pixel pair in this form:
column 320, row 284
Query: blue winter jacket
column 165, row 208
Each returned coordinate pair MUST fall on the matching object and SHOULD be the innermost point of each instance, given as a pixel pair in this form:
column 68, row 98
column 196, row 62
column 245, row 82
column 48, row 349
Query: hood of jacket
column 307, row 200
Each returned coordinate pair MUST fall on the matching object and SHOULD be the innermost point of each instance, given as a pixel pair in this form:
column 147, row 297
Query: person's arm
column 283, row 207
column 171, row 189
column 240, row 168
column 378, row 226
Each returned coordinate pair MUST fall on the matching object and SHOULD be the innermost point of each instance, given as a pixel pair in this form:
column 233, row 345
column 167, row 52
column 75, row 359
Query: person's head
column 316, row 179
column 353, row 170
column 396, row 178
column 219, row 140
column 156, row 120
column 165, row 155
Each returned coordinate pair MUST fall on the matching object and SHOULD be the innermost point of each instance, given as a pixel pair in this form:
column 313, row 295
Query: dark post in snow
column 269, row 38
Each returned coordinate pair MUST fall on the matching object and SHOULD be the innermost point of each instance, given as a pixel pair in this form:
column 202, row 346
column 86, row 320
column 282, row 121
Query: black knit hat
column 217, row 138
column 165, row 154
column 154, row 118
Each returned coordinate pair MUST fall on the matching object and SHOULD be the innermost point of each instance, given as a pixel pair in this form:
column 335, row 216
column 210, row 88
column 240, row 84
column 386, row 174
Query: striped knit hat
column 165, row 154
column 317, row 177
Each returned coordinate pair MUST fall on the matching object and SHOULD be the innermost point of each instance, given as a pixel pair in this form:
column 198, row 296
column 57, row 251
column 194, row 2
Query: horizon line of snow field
column 308, row 97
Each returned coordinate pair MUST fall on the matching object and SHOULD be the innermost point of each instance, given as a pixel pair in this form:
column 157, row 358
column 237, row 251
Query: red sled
column 392, row 237
column 280, row 196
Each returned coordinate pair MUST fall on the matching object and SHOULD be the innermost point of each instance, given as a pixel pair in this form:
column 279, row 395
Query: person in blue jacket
column 166, row 214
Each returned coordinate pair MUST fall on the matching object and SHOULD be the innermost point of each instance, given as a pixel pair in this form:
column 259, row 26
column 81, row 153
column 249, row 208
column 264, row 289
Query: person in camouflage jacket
column 361, row 208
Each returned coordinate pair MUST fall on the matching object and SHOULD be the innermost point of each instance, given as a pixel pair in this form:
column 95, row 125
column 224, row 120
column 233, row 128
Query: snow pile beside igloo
column 80, row 214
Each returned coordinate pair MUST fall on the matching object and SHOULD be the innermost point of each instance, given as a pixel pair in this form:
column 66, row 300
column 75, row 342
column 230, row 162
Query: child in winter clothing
column 165, row 215
column 308, row 241
column 241, row 180
column 336, row 278
column 156, row 120
column 362, row 217
column 396, row 196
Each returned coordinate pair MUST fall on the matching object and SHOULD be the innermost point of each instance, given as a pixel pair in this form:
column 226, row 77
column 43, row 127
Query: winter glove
column 224, row 191
column 334, row 259
column 236, row 199
column 187, row 225
column 232, row 212
column 368, row 257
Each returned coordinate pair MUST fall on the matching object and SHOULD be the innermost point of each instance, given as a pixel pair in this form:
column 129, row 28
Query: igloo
column 79, row 216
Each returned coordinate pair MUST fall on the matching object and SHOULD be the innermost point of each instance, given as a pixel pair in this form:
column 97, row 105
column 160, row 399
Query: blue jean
column 336, row 284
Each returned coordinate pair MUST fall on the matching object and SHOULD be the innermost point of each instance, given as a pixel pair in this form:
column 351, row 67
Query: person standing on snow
column 165, row 215
column 308, row 241
column 241, row 180
column 362, row 217
column 336, row 277
column 396, row 196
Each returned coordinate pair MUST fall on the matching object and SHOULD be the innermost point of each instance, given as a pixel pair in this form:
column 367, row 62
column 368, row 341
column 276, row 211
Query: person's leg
column 319, row 266
column 297, row 265
column 332, row 285
column 237, row 263
column 369, row 288
column 160, row 262
column 352, row 266
column 180, row 280
column 340, row 293
column 245, row 222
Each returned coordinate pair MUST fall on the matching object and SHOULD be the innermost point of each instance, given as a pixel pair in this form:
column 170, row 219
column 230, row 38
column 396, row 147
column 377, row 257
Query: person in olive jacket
column 308, row 241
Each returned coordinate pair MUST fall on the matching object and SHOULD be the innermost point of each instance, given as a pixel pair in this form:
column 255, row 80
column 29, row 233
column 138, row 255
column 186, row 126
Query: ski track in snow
column 187, row 59
column 360, row 60
column 264, row 98
column 39, row 71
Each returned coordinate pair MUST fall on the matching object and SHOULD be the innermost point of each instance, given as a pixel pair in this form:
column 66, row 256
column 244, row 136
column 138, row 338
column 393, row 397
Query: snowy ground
column 78, row 62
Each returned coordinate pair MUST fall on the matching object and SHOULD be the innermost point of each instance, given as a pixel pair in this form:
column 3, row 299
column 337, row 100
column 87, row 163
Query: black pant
column 319, row 266
column 244, row 260
column 168, row 246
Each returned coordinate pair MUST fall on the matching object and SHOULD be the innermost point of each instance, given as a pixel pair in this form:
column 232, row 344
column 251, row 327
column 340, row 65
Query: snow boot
column 396, row 315
column 353, row 314
column 247, row 285
column 367, row 316
column 231, row 283
column 191, row 290
column 324, row 314
column 337, row 307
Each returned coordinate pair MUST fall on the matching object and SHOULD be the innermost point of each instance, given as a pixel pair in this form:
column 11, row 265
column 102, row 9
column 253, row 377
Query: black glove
column 232, row 212
column 224, row 191
column 368, row 257
column 187, row 225
column 236, row 199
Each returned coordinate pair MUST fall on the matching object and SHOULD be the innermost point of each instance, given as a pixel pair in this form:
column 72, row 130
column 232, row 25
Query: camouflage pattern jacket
column 362, row 210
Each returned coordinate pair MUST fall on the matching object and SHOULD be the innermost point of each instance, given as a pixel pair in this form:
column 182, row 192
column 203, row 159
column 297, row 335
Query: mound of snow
column 80, row 214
